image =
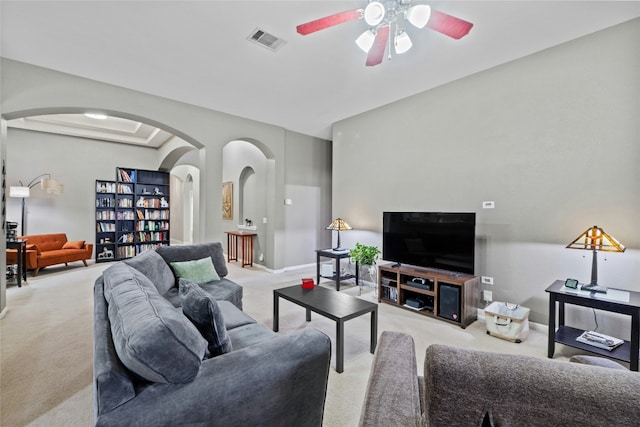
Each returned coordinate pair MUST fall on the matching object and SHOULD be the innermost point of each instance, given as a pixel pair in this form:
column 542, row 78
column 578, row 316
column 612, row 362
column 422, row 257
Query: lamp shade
column 365, row 41
column 339, row 224
column 418, row 15
column 402, row 42
column 595, row 238
column 19, row 192
column 51, row 186
column 374, row 13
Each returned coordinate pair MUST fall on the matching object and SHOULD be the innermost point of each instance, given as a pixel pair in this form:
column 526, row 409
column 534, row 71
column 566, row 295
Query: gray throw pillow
column 203, row 310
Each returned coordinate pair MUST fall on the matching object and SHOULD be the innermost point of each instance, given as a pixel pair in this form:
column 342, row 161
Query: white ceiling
column 197, row 51
column 112, row 129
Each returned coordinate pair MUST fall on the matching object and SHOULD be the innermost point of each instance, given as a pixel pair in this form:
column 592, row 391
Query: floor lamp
column 24, row 191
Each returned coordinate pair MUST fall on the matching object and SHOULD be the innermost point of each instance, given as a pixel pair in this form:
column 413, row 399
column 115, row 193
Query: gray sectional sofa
column 155, row 365
column 462, row 387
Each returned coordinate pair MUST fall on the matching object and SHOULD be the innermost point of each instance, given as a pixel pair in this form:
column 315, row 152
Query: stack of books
column 599, row 340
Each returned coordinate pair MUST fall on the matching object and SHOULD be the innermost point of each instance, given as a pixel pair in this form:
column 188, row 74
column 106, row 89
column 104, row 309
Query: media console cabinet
column 445, row 295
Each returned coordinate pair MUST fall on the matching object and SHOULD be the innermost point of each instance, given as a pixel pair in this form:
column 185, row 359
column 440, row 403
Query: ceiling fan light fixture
column 365, row 41
column 374, row 13
column 402, row 42
column 418, row 15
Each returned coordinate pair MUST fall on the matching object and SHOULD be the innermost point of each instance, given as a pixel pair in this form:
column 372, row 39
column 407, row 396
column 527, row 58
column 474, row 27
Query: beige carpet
column 46, row 343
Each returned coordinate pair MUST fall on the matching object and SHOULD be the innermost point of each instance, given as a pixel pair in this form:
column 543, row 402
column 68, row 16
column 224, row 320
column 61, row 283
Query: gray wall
column 74, row 162
column 308, row 186
column 29, row 90
column 552, row 138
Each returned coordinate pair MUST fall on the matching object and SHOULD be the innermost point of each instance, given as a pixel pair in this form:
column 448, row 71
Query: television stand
column 445, row 295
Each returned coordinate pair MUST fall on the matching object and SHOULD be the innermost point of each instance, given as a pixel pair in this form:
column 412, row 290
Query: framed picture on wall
column 227, row 200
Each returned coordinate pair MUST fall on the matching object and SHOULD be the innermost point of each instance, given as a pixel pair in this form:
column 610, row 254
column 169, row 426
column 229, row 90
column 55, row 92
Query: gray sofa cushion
column 233, row 316
column 112, row 382
column 153, row 339
column 153, row 266
column 203, row 311
column 191, row 252
column 225, row 290
column 394, row 376
column 597, row 361
column 248, row 335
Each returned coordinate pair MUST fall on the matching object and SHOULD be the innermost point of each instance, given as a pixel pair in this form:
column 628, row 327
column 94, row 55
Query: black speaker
column 449, row 301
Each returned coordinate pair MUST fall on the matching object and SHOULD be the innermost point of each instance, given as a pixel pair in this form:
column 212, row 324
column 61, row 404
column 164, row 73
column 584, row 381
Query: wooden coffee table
column 333, row 305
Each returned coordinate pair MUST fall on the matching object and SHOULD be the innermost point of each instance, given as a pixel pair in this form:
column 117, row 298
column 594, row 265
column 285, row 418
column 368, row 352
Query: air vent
column 265, row 39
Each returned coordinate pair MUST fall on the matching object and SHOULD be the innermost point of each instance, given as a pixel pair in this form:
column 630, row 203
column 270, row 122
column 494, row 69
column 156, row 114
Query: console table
column 337, row 256
column 246, row 243
column 558, row 293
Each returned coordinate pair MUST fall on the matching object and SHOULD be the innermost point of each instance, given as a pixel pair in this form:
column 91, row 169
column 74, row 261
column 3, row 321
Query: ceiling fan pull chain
column 389, row 43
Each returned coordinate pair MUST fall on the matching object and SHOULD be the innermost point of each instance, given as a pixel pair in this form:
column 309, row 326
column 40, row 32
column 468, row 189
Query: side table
column 337, row 256
column 615, row 300
column 246, row 244
column 21, row 247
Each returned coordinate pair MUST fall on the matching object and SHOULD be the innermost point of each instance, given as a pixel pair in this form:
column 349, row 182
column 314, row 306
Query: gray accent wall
column 552, row 138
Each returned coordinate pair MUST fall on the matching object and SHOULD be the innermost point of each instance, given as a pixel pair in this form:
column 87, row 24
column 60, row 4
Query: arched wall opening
column 77, row 163
column 247, row 167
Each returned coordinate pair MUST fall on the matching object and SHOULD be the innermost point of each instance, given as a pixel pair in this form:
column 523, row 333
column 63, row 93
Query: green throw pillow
column 199, row 271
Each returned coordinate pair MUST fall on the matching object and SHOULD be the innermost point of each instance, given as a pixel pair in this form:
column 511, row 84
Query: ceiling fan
column 381, row 16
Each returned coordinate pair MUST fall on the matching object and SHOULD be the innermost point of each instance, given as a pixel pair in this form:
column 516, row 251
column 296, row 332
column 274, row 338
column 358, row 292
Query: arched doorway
column 248, row 167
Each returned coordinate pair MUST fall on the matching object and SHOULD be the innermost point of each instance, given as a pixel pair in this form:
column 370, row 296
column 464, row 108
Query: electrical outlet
column 486, row 280
column 488, row 204
column 487, row 296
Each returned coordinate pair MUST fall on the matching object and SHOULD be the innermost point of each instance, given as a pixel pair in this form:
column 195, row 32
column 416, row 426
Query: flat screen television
column 442, row 240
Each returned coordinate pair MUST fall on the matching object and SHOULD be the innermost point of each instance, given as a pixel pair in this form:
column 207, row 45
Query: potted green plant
column 366, row 257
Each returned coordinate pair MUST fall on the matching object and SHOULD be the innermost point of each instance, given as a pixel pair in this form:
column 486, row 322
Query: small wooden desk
column 561, row 295
column 246, row 245
column 21, row 247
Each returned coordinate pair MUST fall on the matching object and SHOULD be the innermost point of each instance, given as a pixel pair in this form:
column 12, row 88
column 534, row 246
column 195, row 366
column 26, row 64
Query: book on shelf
column 599, row 340
column 124, row 176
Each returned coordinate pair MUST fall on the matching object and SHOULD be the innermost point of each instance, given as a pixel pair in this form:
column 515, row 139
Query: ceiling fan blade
column 329, row 21
column 449, row 25
column 376, row 53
